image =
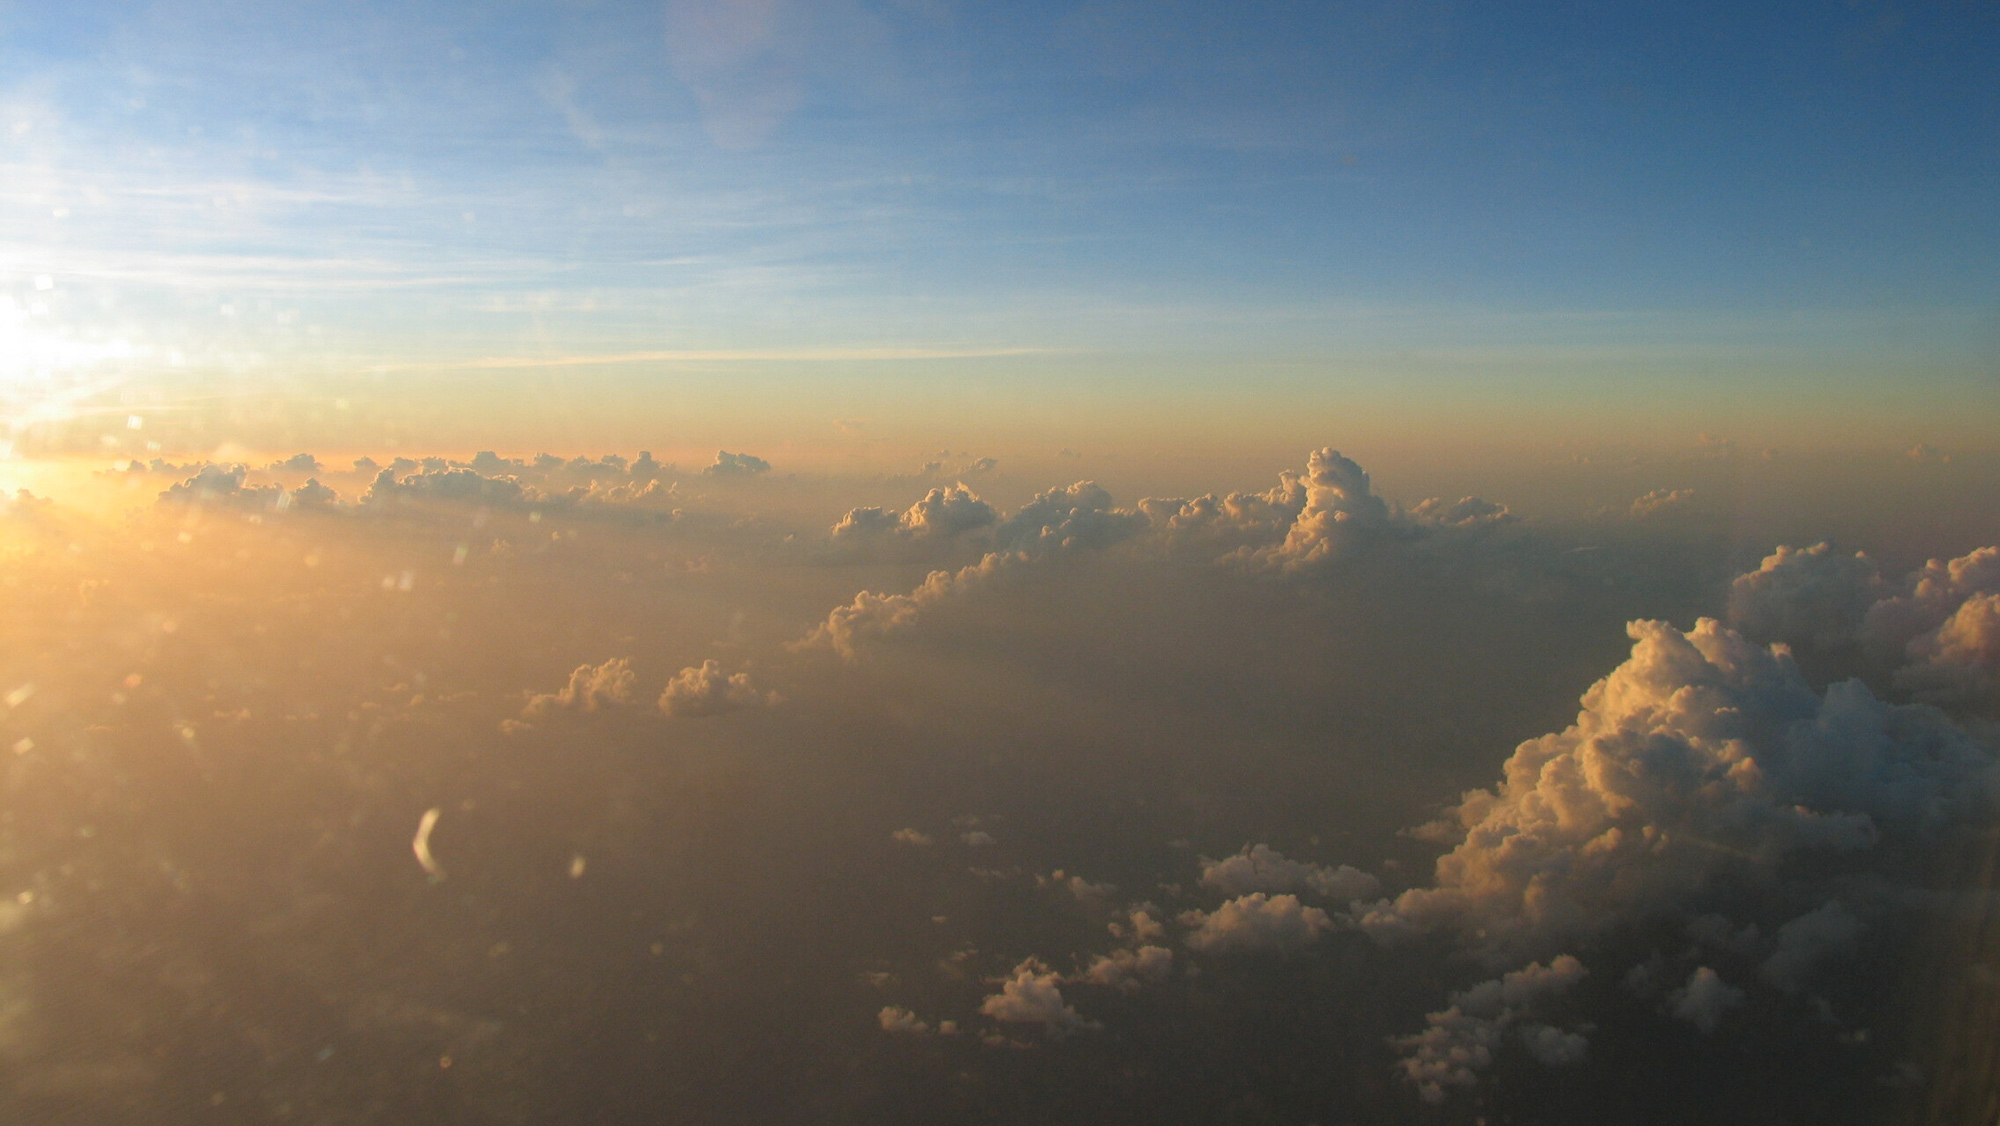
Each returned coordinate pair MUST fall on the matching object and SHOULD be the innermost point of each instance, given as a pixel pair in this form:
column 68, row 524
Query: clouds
column 1256, row 923
column 1128, row 970
column 590, row 687
column 943, row 516
column 1702, row 757
column 873, row 615
column 735, row 467
column 1815, row 595
column 705, row 690
column 1263, row 868
column 1459, row 1041
column 1704, row 1000
column 1807, row 944
column 1938, row 628
column 1033, row 995
column 226, row 487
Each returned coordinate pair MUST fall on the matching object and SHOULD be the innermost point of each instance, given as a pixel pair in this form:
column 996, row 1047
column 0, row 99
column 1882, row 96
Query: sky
column 792, row 213
column 752, row 561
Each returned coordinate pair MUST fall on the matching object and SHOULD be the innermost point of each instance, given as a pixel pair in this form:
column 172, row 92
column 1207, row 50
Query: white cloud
column 1256, row 923
column 704, row 690
column 911, row 837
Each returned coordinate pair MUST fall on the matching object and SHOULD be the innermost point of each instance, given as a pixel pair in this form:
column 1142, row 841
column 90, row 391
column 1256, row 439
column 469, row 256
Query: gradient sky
column 768, row 209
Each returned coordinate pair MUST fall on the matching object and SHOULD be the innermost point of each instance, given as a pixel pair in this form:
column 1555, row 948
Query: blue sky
column 1526, row 188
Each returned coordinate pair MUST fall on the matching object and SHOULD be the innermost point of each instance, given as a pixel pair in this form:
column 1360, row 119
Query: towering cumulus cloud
column 1702, row 758
column 1696, row 771
column 1938, row 628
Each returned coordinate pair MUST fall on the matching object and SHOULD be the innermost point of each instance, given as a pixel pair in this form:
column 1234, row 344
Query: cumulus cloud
column 895, row 1018
column 1808, row 943
column 220, row 486
column 297, row 463
column 447, row 485
column 1704, row 999
column 1033, row 995
column 1939, row 625
column 942, row 515
column 872, row 614
column 1256, row 923
column 1813, row 595
column 735, row 466
column 705, row 690
column 1129, row 970
column 1701, row 759
column 1339, row 516
column 1458, row 1041
column 589, row 687
column 1081, row 516
column 1141, row 924
column 1263, row 868
column 1466, row 512
column 912, row 838
column 1661, row 500
column 1327, row 514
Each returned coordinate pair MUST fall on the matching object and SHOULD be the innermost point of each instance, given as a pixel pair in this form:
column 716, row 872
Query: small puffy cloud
column 589, row 687
column 1925, row 452
column 1263, row 868
column 978, row 838
column 224, row 487
column 704, row 690
column 735, row 466
column 447, row 485
column 911, row 837
column 313, row 495
column 1077, row 886
column 1141, row 924
column 942, row 515
column 1458, row 1041
column 1704, row 999
column 1129, row 970
column 1466, row 512
column 896, row 1019
column 297, row 463
column 1033, row 995
column 1256, row 923
column 1809, row 942
column 1659, row 501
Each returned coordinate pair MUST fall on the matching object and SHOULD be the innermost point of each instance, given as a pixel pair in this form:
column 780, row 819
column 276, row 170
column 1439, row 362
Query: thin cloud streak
column 690, row 355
